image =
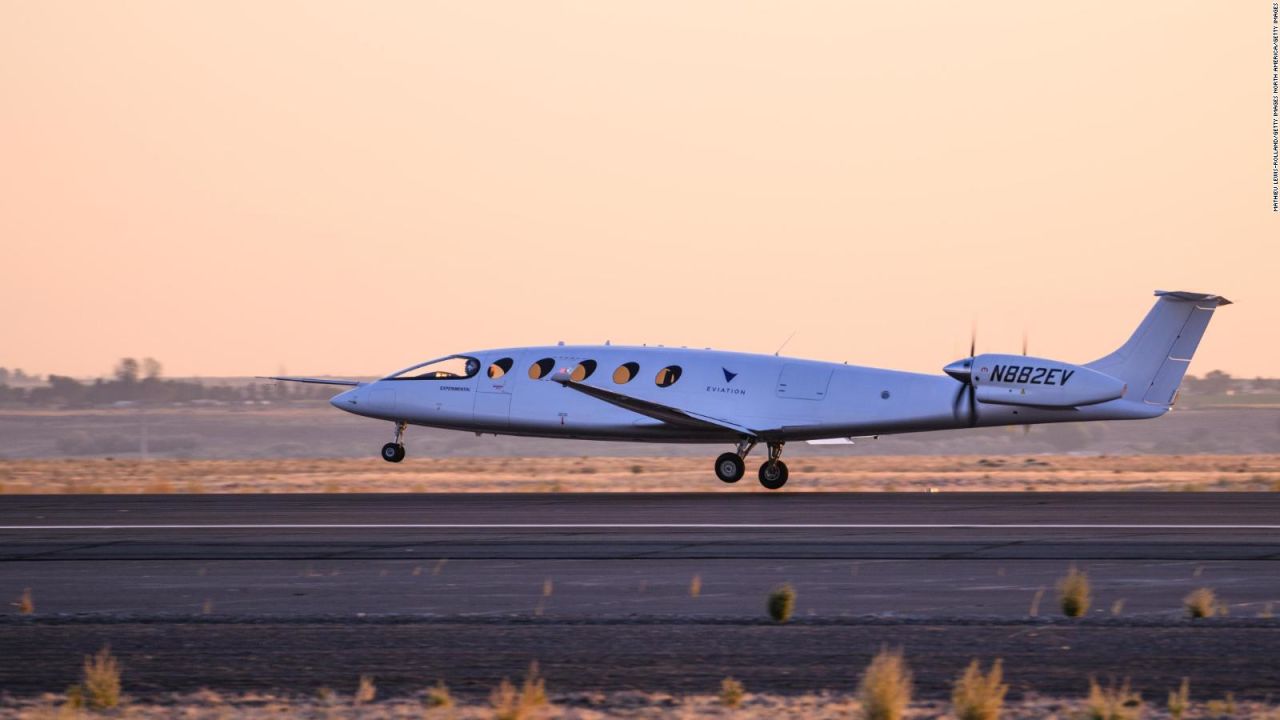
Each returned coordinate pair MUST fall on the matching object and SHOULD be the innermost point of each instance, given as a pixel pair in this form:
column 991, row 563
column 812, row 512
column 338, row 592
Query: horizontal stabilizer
column 313, row 381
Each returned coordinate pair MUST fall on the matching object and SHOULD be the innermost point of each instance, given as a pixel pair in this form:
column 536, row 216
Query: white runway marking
column 650, row 526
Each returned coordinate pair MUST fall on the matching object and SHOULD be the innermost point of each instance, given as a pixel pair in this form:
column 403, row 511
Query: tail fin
column 1154, row 359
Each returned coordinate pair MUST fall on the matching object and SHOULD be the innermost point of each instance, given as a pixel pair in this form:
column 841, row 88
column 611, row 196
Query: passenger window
column 583, row 371
column 625, row 373
column 542, row 368
column 668, row 376
column 500, row 368
column 456, row 367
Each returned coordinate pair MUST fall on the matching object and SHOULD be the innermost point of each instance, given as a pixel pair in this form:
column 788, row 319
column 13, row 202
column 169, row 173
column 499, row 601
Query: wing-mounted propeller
column 962, row 371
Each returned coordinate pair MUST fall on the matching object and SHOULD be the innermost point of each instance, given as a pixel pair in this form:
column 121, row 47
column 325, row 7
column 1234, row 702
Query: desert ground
column 642, row 474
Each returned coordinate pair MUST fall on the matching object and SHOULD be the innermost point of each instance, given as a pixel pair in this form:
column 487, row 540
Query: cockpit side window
column 454, row 367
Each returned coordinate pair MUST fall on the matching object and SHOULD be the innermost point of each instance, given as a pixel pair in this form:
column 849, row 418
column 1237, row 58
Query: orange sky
column 344, row 187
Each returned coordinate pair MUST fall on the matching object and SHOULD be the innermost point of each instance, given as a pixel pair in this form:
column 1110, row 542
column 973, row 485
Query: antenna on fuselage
column 784, row 342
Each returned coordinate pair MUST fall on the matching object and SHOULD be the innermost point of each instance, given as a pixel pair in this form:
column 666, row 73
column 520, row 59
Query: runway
column 674, row 582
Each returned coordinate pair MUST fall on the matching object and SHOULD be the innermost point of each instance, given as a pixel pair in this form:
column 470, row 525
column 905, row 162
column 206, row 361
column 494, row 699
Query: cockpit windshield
column 454, row 367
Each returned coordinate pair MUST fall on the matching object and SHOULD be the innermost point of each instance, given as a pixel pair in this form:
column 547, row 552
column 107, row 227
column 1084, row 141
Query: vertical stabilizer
column 1154, row 359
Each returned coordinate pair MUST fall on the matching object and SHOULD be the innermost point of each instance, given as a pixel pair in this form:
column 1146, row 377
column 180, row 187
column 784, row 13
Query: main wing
column 312, row 380
column 666, row 413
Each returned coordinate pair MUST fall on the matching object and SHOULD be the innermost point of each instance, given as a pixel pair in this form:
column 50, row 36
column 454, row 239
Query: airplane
column 681, row 395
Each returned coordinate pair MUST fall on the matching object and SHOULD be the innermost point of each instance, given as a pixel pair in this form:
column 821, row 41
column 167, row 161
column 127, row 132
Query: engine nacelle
column 1023, row 380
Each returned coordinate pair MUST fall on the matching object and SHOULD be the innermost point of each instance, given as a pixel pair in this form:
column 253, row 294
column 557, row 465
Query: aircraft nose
column 346, row 400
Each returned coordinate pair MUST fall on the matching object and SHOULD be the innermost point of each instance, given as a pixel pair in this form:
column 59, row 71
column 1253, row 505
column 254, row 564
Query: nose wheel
column 394, row 451
column 773, row 472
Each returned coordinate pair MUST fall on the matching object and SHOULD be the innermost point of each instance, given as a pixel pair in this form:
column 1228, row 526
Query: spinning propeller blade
column 962, row 371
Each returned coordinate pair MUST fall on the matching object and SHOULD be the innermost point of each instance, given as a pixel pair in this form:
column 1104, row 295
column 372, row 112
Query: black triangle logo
column 729, row 376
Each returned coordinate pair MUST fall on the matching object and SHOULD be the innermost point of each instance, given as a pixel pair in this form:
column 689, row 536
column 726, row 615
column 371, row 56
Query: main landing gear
column 394, row 451
column 731, row 466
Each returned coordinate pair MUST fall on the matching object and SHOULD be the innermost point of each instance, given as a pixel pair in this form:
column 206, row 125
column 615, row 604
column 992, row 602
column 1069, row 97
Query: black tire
column 773, row 475
column 392, row 452
column 730, row 468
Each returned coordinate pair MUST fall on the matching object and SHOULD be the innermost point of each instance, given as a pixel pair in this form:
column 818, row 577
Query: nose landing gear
column 394, row 451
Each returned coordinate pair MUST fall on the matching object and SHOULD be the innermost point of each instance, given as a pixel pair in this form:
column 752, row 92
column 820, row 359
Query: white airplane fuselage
column 787, row 398
column 682, row 395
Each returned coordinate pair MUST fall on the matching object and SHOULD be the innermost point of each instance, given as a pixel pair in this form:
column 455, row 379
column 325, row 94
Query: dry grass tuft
column 1180, row 700
column 979, row 697
column 1203, row 603
column 782, row 602
column 1073, row 592
column 438, row 696
column 885, row 688
column 1224, row 708
column 1112, row 702
column 73, row 701
column 1034, row 610
column 731, row 693
column 101, row 681
column 26, row 605
column 366, row 691
column 510, row 704
column 695, row 586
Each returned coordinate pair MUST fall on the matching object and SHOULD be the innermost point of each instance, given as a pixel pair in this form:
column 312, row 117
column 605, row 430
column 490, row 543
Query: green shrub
column 1073, row 593
column 782, row 602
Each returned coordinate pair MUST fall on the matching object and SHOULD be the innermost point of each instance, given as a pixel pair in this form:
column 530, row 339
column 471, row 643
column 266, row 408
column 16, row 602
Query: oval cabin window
column 500, row 368
column 668, row 376
column 626, row 372
column 542, row 368
column 583, row 371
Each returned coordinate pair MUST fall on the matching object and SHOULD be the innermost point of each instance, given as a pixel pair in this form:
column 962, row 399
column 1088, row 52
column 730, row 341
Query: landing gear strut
column 394, row 451
column 730, row 466
column 773, row 473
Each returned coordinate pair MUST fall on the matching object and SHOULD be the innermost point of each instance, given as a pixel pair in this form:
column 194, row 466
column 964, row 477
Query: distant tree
column 127, row 370
column 1215, row 382
column 61, row 389
column 151, row 368
column 19, row 376
column 4, row 376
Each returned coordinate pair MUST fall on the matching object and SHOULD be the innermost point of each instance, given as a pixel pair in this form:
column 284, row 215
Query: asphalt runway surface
column 653, row 591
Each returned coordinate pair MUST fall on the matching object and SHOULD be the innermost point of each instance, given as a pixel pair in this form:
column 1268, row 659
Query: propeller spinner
column 962, row 371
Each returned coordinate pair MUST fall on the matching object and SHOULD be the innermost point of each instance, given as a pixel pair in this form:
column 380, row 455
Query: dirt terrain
column 642, row 474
